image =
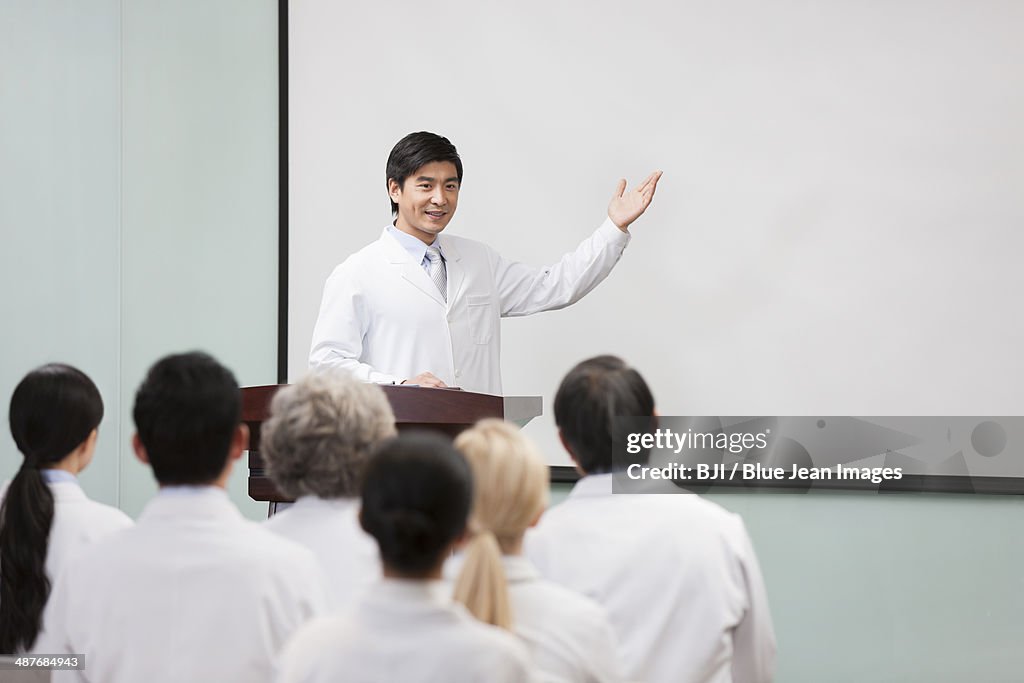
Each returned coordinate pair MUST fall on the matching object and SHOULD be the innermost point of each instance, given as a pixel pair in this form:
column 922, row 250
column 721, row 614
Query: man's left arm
column 523, row 289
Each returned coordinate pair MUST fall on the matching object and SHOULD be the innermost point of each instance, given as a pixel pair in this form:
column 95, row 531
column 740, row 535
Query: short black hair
column 589, row 399
column 186, row 412
column 416, row 150
column 417, row 494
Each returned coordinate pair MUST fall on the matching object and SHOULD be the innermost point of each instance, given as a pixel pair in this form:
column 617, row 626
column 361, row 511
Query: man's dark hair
column 589, row 399
column 416, row 150
column 186, row 412
column 417, row 494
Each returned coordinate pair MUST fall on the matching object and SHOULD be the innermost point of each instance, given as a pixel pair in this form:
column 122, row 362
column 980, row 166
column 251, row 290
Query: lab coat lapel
column 453, row 261
column 413, row 273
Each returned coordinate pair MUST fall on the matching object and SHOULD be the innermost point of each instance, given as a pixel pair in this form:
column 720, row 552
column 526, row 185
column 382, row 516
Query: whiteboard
column 838, row 230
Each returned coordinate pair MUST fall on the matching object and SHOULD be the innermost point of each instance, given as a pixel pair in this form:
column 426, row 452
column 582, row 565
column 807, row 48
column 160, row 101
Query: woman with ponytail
column 416, row 495
column 45, row 516
column 568, row 635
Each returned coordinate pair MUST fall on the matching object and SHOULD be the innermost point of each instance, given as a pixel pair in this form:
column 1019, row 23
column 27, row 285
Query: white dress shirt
column 383, row 319
column 407, row 632
column 77, row 523
column 331, row 530
column 677, row 574
column 193, row 592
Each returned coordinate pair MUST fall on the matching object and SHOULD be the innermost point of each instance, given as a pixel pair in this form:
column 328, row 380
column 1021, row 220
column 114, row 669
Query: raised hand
column 626, row 207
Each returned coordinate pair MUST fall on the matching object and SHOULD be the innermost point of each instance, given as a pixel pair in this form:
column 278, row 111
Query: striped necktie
column 437, row 272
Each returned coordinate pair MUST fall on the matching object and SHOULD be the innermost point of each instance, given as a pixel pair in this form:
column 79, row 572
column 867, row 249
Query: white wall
column 138, row 202
column 60, row 209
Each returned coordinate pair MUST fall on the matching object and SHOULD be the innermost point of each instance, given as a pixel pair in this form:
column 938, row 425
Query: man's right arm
column 340, row 328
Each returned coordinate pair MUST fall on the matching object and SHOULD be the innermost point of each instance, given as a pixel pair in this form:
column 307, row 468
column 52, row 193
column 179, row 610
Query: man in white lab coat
column 193, row 592
column 421, row 307
column 677, row 573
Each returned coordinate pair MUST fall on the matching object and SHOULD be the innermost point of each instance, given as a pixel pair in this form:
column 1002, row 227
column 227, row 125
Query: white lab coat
column 677, row 574
column 406, row 631
column 383, row 319
column 569, row 637
column 77, row 522
column 331, row 530
column 194, row 592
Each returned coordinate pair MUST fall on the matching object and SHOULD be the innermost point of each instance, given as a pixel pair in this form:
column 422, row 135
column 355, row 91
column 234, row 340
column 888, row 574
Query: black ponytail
column 53, row 410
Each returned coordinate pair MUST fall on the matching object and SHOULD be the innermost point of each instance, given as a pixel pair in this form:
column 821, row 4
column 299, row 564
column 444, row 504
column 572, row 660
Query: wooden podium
column 444, row 410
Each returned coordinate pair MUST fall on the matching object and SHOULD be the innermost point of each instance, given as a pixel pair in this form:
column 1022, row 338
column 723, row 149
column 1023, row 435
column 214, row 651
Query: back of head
column 321, row 433
column 510, row 492
column 589, row 399
column 416, row 150
column 54, row 409
column 186, row 413
column 510, row 479
column 417, row 495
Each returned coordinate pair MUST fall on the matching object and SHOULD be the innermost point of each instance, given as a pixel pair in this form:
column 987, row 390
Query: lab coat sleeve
column 753, row 638
column 341, row 328
column 296, row 662
column 605, row 661
column 523, row 289
column 55, row 640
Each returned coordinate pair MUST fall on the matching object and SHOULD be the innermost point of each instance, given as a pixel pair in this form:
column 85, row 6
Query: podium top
column 419, row 405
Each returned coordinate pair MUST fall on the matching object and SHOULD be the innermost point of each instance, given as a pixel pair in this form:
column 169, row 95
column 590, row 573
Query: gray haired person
column 317, row 443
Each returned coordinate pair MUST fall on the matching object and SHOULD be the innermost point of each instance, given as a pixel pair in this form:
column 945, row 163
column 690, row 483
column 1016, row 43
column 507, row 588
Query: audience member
column 677, row 573
column 316, row 445
column 416, row 498
column 193, row 592
column 45, row 517
column 568, row 635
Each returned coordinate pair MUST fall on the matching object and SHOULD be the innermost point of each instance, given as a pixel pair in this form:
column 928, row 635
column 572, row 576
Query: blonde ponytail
column 510, row 488
column 482, row 587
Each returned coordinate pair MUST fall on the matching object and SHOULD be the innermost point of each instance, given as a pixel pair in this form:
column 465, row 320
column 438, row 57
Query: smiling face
column 427, row 200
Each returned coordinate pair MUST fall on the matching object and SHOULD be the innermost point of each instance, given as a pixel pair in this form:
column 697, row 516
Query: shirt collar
column 193, row 490
column 413, row 592
column 316, row 503
column 519, row 569
column 592, row 485
column 415, row 247
column 54, row 476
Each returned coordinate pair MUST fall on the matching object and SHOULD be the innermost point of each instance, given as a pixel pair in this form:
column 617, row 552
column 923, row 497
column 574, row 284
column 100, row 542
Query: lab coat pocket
column 480, row 318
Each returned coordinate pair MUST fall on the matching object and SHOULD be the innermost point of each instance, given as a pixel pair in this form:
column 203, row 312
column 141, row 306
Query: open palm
column 626, row 207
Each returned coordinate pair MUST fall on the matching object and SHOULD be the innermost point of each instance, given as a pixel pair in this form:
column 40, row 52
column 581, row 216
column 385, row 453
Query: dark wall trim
column 282, row 191
column 563, row 474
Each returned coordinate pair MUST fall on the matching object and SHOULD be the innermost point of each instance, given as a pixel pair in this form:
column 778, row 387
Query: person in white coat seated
column 677, row 573
column 568, row 635
column 423, row 307
column 45, row 516
column 192, row 592
column 415, row 502
column 316, row 444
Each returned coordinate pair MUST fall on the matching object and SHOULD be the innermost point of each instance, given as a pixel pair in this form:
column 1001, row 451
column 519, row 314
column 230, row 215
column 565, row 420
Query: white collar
column 592, row 485
column 518, row 569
